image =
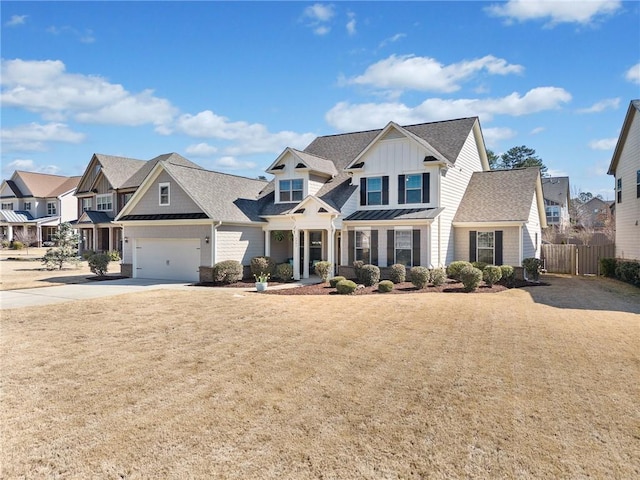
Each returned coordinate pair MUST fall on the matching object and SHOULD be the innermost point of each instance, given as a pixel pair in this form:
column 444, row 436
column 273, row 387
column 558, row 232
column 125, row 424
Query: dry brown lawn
column 528, row 383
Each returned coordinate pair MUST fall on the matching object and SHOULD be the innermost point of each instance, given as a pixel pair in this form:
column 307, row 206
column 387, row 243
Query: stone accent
column 518, row 273
column 126, row 270
column 206, row 274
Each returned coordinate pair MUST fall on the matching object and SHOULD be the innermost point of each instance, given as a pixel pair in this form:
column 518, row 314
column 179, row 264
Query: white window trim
column 355, row 242
column 395, row 247
column 160, row 186
column 369, row 191
column 27, row 206
column 55, row 208
column 493, row 248
column 7, row 204
column 291, row 190
column 85, row 200
column 104, row 195
column 406, row 190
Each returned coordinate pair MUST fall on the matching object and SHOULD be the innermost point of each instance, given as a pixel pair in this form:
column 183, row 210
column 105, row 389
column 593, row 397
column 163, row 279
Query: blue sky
column 229, row 85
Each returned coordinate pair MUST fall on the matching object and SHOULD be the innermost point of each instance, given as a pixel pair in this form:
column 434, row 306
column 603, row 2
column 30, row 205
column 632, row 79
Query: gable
column 148, row 201
column 631, row 126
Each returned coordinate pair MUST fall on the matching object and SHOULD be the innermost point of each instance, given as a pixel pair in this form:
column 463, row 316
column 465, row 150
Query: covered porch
column 98, row 232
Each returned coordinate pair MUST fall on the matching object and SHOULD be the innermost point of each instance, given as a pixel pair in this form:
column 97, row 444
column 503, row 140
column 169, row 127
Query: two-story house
column 393, row 195
column 34, row 204
column 625, row 167
column 557, row 200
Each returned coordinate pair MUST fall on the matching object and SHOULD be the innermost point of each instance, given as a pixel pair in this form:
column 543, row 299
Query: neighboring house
column 596, row 213
column 625, row 167
column 382, row 196
column 34, row 204
column 557, row 201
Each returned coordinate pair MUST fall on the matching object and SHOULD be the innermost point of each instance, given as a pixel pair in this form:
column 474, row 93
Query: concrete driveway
column 31, row 297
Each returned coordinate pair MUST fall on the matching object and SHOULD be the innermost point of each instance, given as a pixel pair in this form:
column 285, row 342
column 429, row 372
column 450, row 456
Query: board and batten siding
column 167, row 231
column 239, row 243
column 532, row 233
column 628, row 211
column 510, row 243
column 179, row 201
column 453, row 185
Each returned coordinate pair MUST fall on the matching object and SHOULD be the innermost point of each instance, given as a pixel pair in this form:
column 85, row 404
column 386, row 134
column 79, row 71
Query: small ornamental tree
column 99, row 263
column 65, row 252
column 322, row 269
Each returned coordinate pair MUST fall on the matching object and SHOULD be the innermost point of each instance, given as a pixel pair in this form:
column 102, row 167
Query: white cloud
column 602, row 105
column 28, row 166
column 346, row 117
column 16, row 20
column 201, row 150
column 391, row 39
column 427, row 74
column 633, row 74
column 46, row 88
column 84, row 37
column 34, row 136
column 351, row 24
column 554, row 172
column 537, row 130
column 232, row 163
column 318, row 16
column 603, row 144
column 492, row 136
column 554, row 11
column 321, row 30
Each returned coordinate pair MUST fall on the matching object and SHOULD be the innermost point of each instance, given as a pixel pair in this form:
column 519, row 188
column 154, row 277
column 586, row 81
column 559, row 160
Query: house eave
column 499, row 223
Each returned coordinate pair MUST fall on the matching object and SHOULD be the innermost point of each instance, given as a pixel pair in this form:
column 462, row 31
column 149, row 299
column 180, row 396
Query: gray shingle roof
column 118, row 169
column 136, row 179
column 498, row 196
column 316, row 163
column 556, row 189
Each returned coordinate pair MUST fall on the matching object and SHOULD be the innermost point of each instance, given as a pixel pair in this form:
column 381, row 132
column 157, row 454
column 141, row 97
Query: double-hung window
column 404, row 247
column 126, row 197
column 374, row 191
column 52, row 208
column 27, row 205
column 87, row 204
column 619, row 191
column 164, row 192
column 553, row 213
column 291, row 190
column 104, row 203
column 363, row 245
column 485, row 246
column 413, row 188
column 7, row 206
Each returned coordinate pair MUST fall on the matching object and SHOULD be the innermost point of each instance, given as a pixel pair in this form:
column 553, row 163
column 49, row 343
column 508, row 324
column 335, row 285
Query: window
column 86, row 204
column 52, row 208
column 404, row 247
column 374, row 191
column 291, row 190
column 163, row 193
column 485, row 247
column 7, row 206
column 637, row 183
column 363, row 245
column 413, row 188
column 104, row 202
column 619, row 191
column 553, row 213
column 126, row 197
column 27, row 205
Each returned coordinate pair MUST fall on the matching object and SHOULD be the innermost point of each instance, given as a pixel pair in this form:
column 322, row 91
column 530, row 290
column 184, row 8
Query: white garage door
column 167, row 258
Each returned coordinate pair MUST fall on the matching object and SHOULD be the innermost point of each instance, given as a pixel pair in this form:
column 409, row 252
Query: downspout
column 520, row 247
column 214, row 241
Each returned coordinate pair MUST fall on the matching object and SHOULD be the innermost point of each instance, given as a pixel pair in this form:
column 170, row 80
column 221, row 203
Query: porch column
column 331, row 233
column 305, row 267
column 344, row 244
column 110, row 239
column 94, row 239
column 296, row 254
column 9, row 232
column 39, row 234
column 267, row 243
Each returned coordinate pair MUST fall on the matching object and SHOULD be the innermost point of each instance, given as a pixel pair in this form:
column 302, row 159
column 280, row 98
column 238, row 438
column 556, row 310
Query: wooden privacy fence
column 575, row 259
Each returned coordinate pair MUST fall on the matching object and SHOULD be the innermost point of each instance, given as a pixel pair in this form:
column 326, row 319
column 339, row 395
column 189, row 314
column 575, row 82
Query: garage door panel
column 168, row 258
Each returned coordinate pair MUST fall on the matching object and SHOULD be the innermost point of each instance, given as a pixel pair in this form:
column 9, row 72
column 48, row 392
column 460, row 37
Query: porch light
column 206, row 239
column 126, row 239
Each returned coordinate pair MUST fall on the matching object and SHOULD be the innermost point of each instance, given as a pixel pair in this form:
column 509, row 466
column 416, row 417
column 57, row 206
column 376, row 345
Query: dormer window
column 291, row 190
column 163, row 193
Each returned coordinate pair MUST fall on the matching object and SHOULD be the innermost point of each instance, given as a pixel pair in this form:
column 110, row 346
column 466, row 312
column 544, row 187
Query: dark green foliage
column 284, row 272
column 345, row 287
column 87, row 253
column 479, row 265
column 99, row 263
column 628, row 271
column 608, row 267
column 397, row 273
column 261, row 265
column 369, row 275
column 334, row 281
column 521, row 157
column 508, row 275
column 357, row 267
column 227, row 271
column 438, row 276
column 419, row 276
column 385, row 286
column 470, row 278
column 66, row 250
column 491, row 274
column 532, row 266
column 322, row 270
column 453, row 270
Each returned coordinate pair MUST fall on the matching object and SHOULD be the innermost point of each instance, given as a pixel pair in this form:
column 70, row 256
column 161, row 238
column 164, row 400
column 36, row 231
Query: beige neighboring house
column 625, row 167
column 557, row 200
column 34, row 204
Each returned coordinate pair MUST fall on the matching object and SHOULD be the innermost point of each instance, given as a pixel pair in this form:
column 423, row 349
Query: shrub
column 491, row 274
column 17, row 245
column 397, row 273
column 369, row 275
column 227, row 271
column 322, row 270
column 608, row 267
column 114, row 255
column 345, row 287
column 453, row 270
column 262, row 265
column 335, row 280
column 470, row 278
column 5, row 243
column 284, row 272
column 438, row 276
column 419, row 276
column 628, row 271
column 479, row 265
column 508, row 275
column 99, row 263
column 87, row 253
column 385, row 286
column 357, row 267
column 532, row 266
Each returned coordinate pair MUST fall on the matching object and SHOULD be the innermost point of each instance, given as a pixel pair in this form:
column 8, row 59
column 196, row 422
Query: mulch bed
column 102, row 278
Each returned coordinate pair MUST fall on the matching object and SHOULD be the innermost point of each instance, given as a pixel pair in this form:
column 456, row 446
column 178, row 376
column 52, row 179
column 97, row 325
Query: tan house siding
column 510, row 243
column 239, row 243
column 179, row 201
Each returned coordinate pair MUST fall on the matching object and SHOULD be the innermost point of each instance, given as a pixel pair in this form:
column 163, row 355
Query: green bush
column 369, row 275
column 5, row 243
column 261, row 265
column 608, row 267
column 397, row 273
column 508, row 275
column 87, row 253
column 479, row 265
column 438, row 276
column 491, row 274
column 454, row 268
column 628, row 271
column 114, row 255
column 532, row 266
column 335, row 280
column 385, row 286
column 284, row 272
column 419, row 276
column 345, row 287
column 357, row 267
column 99, row 263
column 17, row 245
column 322, row 270
column 470, row 278
column 227, row 271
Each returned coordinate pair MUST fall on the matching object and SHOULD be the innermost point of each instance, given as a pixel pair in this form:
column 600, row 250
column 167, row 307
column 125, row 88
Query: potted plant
column 261, row 281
